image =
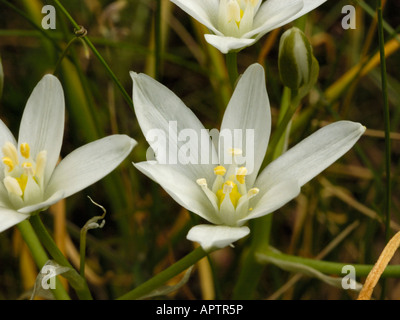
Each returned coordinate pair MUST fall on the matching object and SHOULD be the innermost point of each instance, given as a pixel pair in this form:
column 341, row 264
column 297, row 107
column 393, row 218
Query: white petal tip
column 133, row 74
column 212, row 237
column 50, row 77
column 228, row 44
column 10, row 218
column 57, row 196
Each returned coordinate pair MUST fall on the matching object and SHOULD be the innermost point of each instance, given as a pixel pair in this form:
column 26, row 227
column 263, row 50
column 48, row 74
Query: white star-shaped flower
column 236, row 24
column 30, row 179
column 229, row 191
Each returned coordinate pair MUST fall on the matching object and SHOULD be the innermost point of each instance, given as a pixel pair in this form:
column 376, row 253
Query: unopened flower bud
column 295, row 59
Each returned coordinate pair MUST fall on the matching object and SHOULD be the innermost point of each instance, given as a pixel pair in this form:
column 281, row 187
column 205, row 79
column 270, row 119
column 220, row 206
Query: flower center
column 235, row 17
column 230, row 188
column 229, row 195
column 23, row 177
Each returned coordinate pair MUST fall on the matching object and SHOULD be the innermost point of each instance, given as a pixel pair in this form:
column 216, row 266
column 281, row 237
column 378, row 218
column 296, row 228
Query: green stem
column 40, row 255
column 371, row 12
column 165, row 275
column 285, row 105
column 82, row 290
column 281, row 129
column 334, row 268
column 252, row 269
column 386, row 120
column 388, row 193
column 64, row 53
column 158, row 40
column 231, row 64
column 89, row 43
column 82, row 252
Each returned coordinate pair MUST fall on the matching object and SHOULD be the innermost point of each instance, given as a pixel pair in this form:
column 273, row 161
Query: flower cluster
column 226, row 192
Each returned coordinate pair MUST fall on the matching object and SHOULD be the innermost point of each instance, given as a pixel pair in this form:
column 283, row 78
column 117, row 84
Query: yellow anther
column 9, row 163
column 220, row 171
column 241, row 174
column 25, row 150
column 10, row 151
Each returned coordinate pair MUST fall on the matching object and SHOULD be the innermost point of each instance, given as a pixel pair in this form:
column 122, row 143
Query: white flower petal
column 4, row 198
column 42, row 124
column 181, row 188
column 204, row 11
column 249, row 110
column 5, row 136
column 9, row 218
column 312, row 155
column 161, row 112
column 216, row 237
column 32, row 194
column 274, row 198
column 308, row 5
column 227, row 44
column 273, row 14
column 54, row 198
column 89, row 163
column 276, row 13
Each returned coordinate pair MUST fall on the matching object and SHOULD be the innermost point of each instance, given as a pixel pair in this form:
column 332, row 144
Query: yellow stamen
column 25, row 150
column 10, row 151
column 12, row 186
column 229, row 187
column 41, row 160
column 233, row 11
column 240, row 19
column 28, row 168
column 241, row 174
column 220, row 171
column 9, row 163
column 22, row 181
